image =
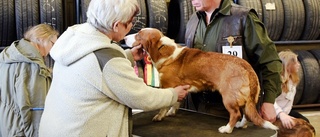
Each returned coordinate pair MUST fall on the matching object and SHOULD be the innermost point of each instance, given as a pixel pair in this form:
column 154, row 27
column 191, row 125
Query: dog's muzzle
column 129, row 40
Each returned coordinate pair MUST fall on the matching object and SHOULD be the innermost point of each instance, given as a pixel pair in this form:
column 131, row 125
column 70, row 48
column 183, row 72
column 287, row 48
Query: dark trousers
column 296, row 114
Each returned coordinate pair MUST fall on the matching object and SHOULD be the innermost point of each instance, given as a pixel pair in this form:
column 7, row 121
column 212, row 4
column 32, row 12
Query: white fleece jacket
column 82, row 100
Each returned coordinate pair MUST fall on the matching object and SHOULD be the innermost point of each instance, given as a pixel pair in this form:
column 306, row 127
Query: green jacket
column 244, row 25
column 24, row 84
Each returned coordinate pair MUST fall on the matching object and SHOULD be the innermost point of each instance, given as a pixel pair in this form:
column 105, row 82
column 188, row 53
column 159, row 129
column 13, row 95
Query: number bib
column 235, row 50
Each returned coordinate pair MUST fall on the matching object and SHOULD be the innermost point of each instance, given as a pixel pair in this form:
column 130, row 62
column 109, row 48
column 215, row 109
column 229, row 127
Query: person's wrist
column 278, row 116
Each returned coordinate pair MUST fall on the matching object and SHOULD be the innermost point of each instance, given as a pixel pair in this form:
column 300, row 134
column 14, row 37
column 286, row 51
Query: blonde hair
column 102, row 14
column 40, row 34
column 288, row 57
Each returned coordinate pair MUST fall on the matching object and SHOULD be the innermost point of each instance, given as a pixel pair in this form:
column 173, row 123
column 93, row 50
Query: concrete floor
column 190, row 124
column 313, row 114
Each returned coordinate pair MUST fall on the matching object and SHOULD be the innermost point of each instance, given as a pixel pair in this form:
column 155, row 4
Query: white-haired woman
column 25, row 81
column 94, row 83
column 290, row 79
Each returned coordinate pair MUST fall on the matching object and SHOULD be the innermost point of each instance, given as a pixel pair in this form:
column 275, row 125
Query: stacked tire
column 17, row 16
column 7, row 23
column 153, row 13
column 288, row 20
column 308, row 90
column 281, row 22
column 180, row 12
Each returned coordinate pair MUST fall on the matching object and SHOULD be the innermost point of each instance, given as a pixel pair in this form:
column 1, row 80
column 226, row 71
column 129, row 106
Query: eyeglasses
column 133, row 20
column 52, row 42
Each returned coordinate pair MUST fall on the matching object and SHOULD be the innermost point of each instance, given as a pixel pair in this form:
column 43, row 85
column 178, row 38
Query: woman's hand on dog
column 182, row 91
column 138, row 53
column 286, row 120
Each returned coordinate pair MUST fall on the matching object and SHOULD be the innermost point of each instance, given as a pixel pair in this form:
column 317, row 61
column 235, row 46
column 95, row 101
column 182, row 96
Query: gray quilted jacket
column 24, row 83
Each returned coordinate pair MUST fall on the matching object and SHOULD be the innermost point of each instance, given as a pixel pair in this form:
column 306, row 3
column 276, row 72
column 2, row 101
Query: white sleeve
column 277, row 108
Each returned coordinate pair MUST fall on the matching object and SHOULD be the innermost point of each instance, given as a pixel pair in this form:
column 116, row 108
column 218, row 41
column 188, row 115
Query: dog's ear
column 148, row 37
column 155, row 36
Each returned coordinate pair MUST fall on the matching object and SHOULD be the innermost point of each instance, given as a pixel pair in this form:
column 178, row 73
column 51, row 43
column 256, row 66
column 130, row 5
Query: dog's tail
column 250, row 109
column 252, row 113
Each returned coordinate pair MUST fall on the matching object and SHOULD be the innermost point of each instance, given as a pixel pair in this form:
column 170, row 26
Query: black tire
column 294, row 19
column 254, row 4
column 51, row 13
column 273, row 18
column 141, row 19
column 158, row 15
column 1, row 48
column 27, row 15
column 312, row 22
column 316, row 54
column 7, row 23
column 70, row 13
column 310, row 67
column 180, row 12
column 300, row 87
column 84, row 7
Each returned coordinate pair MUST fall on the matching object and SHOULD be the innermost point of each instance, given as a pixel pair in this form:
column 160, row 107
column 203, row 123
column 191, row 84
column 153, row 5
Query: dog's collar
column 160, row 47
column 114, row 42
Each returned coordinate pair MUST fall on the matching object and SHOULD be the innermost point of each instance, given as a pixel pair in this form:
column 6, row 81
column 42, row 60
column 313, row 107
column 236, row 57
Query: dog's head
column 155, row 43
column 148, row 37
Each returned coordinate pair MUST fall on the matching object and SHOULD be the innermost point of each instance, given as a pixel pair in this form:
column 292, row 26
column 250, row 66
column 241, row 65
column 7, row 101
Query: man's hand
column 268, row 112
column 138, row 53
column 286, row 120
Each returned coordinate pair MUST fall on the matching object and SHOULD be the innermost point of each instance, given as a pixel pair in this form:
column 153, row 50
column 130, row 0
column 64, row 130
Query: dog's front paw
column 171, row 112
column 225, row 129
column 157, row 117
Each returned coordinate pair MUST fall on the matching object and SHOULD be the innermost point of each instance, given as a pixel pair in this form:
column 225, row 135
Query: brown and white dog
column 233, row 77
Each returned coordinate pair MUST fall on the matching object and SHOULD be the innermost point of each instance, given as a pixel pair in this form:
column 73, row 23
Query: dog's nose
column 129, row 40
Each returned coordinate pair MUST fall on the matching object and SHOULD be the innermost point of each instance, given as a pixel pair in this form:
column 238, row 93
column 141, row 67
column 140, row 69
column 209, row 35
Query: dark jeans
column 298, row 115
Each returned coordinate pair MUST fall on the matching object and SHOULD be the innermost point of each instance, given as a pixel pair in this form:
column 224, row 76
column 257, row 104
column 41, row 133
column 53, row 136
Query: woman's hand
column 138, row 53
column 182, row 91
column 286, row 120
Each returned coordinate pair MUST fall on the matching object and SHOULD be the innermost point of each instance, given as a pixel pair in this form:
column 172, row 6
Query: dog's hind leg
column 161, row 114
column 232, row 122
column 234, row 111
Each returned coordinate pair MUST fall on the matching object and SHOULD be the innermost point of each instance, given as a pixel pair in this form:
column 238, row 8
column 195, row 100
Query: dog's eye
column 138, row 36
